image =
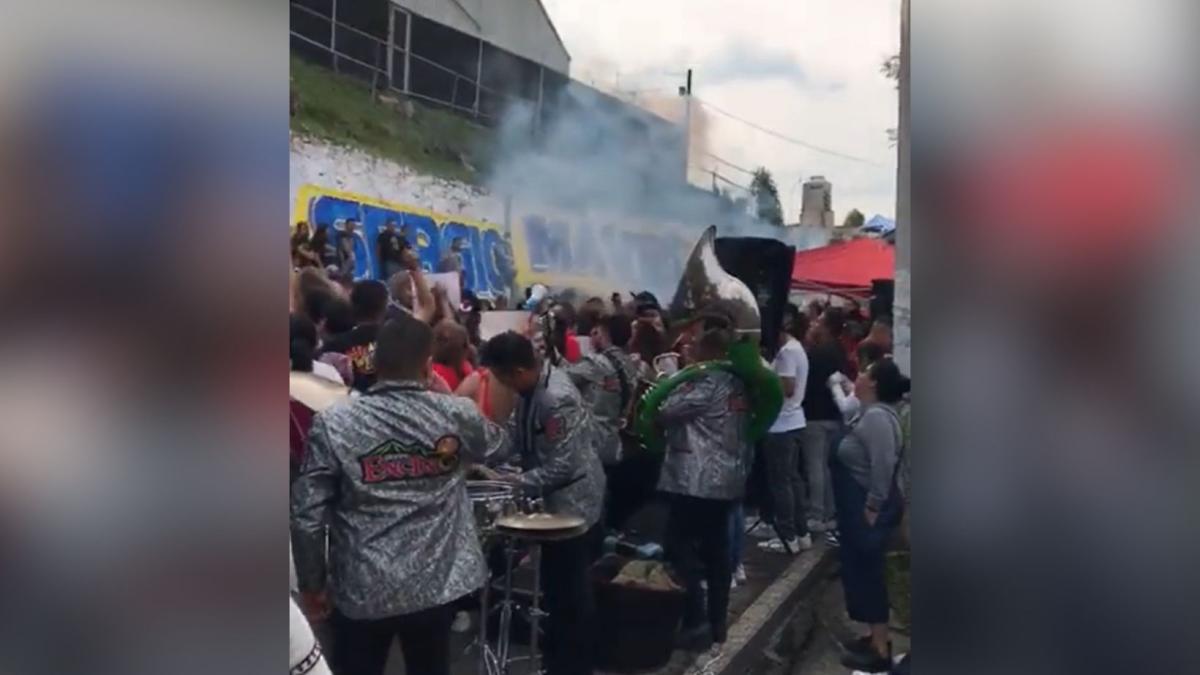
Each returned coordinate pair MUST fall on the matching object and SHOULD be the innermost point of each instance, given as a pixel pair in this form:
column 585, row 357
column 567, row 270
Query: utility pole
column 902, row 299
column 686, row 92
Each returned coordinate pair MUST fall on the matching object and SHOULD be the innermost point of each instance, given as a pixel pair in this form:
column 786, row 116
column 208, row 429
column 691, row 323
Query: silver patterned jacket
column 708, row 450
column 553, row 435
column 606, row 380
column 384, row 472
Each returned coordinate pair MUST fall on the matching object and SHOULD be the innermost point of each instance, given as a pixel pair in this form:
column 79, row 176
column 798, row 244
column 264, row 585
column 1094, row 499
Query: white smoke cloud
column 610, row 171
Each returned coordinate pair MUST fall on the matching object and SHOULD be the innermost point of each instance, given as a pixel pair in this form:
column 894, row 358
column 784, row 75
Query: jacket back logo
column 394, row 461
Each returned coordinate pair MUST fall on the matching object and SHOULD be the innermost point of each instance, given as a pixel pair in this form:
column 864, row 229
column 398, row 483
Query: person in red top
column 450, row 345
column 566, row 319
column 571, row 352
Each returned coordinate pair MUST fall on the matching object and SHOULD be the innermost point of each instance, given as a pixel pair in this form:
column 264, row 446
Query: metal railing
column 386, row 69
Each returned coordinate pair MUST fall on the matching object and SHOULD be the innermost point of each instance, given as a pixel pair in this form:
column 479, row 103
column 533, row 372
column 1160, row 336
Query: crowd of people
column 385, row 545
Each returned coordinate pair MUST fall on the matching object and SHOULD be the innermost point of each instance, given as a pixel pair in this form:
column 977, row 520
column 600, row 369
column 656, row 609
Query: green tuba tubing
column 762, row 385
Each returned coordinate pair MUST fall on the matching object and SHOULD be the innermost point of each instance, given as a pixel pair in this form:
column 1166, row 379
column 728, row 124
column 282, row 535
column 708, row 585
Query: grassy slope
column 339, row 109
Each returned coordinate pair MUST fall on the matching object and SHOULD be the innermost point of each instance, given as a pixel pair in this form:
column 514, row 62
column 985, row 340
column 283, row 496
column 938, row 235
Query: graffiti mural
column 594, row 253
column 487, row 258
column 586, row 251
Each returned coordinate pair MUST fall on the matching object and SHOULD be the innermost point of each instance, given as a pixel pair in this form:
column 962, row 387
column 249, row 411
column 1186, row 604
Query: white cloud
column 809, row 70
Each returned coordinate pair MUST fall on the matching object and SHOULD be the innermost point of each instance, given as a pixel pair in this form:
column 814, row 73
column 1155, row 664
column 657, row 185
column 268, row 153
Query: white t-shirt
column 791, row 361
column 322, row 369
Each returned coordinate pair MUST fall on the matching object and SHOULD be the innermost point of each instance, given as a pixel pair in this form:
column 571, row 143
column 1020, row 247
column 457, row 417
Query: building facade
column 816, row 203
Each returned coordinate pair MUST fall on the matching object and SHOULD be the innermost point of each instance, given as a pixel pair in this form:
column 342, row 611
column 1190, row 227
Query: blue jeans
column 737, row 533
column 863, row 550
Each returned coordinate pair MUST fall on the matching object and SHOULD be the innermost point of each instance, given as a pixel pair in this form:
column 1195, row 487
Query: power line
column 730, row 164
column 717, row 176
column 785, row 137
column 726, row 180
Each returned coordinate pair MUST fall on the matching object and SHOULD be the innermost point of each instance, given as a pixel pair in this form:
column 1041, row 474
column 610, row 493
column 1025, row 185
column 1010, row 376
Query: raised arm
column 424, row 307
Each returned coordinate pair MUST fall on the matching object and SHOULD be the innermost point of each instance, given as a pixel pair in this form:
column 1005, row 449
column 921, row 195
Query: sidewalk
column 757, row 610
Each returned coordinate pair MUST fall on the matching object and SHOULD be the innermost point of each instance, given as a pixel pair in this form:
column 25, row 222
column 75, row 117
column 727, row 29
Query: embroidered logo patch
column 393, row 461
column 554, row 428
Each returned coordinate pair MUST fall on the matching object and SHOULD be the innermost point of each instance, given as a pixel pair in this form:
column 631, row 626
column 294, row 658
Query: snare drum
column 490, row 500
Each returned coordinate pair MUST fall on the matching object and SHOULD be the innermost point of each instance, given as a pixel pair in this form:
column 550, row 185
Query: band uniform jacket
column 385, row 472
column 553, row 437
column 708, row 449
column 596, row 376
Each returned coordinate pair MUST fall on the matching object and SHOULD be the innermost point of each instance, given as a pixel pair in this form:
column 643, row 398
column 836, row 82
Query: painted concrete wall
column 595, row 251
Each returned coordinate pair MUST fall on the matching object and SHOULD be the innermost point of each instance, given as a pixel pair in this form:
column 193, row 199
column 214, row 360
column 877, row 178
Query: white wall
column 360, row 173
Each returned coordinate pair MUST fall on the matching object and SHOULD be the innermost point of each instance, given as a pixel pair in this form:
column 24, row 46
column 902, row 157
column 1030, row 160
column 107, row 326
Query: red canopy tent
column 845, row 268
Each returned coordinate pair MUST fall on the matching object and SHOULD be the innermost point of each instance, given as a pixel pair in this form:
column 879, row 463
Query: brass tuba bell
column 705, row 284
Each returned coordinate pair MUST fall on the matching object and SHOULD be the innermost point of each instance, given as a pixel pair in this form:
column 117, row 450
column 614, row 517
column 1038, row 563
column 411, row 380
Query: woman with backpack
column 869, row 507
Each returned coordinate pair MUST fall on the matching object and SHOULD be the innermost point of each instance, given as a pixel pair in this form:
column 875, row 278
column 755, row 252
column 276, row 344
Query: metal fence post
column 407, row 49
column 391, row 43
column 478, row 79
column 333, row 22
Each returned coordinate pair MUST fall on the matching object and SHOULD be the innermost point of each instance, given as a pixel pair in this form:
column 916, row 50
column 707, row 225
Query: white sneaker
column 793, row 546
column 462, row 623
column 739, row 574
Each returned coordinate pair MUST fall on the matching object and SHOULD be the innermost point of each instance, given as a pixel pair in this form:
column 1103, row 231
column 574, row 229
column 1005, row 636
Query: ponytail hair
column 303, row 346
column 890, row 384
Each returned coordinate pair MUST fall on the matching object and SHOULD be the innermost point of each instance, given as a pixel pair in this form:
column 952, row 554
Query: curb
column 752, row 632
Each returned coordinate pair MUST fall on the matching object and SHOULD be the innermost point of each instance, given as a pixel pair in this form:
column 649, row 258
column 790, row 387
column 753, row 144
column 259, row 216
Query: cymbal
column 539, row 522
column 314, row 391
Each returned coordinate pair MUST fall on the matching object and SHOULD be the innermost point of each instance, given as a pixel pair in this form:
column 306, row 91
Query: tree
column 766, row 197
column 891, row 70
column 854, row 219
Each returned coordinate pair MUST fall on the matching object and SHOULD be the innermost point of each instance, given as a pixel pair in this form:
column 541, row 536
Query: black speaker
column 883, row 292
column 765, row 266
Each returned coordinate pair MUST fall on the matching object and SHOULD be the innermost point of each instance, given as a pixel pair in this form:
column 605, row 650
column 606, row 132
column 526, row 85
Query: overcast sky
column 808, row 69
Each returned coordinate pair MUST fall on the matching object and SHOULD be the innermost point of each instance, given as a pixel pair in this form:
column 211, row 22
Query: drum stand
column 498, row 660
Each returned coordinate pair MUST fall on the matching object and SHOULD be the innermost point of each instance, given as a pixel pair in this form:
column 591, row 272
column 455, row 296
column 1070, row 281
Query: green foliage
column 766, row 197
column 340, row 109
column 899, row 583
column 891, row 67
column 854, row 219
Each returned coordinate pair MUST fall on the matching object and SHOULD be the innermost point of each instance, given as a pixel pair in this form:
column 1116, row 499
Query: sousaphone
column 707, row 287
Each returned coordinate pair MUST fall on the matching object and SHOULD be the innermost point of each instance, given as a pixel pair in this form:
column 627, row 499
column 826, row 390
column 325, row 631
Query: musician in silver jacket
column 606, row 379
column 552, row 435
column 704, row 475
column 385, row 472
